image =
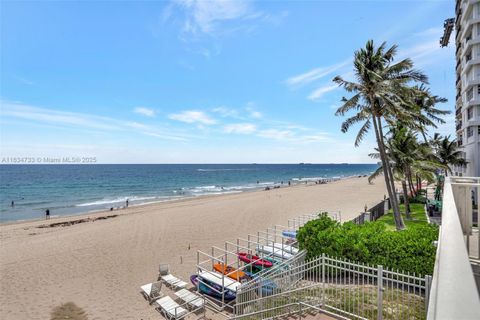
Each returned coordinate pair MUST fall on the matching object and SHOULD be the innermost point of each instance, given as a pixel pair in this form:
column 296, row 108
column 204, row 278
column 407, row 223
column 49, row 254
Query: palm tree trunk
column 410, row 182
column 406, row 202
column 387, row 174
column 396, row 208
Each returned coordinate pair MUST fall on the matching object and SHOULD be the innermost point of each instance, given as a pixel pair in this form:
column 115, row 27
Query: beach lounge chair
column 152, row 291
column 174, row 282
column 169, row 279
column 170, row 309
column 191, row 299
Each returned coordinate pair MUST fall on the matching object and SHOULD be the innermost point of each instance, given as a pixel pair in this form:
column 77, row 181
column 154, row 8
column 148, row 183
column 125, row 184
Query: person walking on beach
column 126, row 204
column 47, row 214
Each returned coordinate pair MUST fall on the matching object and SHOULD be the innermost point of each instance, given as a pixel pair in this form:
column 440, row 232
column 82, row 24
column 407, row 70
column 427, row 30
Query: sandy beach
column 101, row 265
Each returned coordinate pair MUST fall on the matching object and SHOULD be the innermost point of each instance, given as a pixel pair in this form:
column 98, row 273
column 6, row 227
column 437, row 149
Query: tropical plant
column 410, row 250
column 448, row 154
column 423, row 110
column 381, row 91
column 406, row 156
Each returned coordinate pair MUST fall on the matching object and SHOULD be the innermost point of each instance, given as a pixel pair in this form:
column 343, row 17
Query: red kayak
column 249, row 258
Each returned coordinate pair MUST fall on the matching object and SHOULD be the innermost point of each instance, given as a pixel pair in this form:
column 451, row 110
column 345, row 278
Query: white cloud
column 434, row 31
column 276, row 134
column 320, row 92
column 81, row 120
column 205, row 16
column 314, row 138
column 315, row 74
column 23, row 80
column 240, row 128
column 253, row 113
column 226, row 112
column 145, row 111
column 193, row 116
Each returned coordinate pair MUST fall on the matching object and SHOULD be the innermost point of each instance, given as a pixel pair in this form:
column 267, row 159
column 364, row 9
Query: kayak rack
column 267, row 245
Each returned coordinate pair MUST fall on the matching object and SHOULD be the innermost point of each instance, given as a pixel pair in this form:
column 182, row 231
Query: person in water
column 126, row 204
column 47, row 214
column 13, row 203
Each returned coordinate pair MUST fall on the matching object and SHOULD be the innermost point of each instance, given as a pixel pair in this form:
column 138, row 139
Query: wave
column 112, row 201
column 225, row 169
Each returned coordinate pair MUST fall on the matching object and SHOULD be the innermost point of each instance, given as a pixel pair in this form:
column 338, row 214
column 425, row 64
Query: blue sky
column 200, row 82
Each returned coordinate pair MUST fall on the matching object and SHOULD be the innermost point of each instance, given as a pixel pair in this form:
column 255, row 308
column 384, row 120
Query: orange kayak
column 229, row 271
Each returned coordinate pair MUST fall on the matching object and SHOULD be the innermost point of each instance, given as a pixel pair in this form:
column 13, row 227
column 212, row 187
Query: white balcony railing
column 454, row 294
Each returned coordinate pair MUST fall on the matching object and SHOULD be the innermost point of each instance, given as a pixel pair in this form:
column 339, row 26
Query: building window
column 468, row 38
column 468, row 56
column 470, row 94
column 469, row 132
column 469, row 113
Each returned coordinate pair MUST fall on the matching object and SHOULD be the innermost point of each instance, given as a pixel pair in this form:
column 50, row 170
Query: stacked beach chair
column 189, row 302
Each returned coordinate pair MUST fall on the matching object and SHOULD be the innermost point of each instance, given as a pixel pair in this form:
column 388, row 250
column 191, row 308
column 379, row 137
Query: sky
column 190, row 81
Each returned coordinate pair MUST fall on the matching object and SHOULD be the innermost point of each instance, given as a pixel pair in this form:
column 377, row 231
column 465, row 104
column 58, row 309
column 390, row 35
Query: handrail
column 454, row 293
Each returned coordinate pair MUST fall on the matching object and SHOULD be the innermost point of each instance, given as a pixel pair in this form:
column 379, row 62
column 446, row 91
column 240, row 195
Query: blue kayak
column 289, row 233
column 206, row 286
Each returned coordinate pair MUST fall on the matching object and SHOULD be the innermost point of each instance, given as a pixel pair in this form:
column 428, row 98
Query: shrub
column 410, row 250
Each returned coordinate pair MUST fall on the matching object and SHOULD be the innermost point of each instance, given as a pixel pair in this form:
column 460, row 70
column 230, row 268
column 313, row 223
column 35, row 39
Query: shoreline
column 120, row 210
column 100, row 266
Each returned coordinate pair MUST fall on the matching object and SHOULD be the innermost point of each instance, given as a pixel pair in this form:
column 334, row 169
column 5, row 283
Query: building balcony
column 458, row 112
column 474, row 102
column 470, row 63
column 473, row 41
column 458, row 127
column 470, row 83
column 473, row 122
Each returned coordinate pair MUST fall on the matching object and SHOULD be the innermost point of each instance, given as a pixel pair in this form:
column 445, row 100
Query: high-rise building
column 467, row 105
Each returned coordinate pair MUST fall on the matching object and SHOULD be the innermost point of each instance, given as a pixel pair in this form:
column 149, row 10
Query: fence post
column 428, row 284
column 323, row 280
column 380, row 292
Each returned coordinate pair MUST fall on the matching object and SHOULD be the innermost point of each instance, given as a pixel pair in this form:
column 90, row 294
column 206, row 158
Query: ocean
column 74, row 189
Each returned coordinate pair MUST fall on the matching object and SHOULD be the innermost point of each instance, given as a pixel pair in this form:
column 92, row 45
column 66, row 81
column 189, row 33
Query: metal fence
column 373, row 213
column 335, row 286
column 272, row 238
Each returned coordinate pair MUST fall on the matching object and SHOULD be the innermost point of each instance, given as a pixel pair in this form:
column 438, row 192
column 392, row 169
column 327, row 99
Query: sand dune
column 101, row 265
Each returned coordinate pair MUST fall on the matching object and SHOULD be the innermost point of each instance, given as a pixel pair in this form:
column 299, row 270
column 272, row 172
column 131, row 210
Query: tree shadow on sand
column 69, row 311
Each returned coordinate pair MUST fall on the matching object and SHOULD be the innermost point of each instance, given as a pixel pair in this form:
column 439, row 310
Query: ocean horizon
column 69, row 189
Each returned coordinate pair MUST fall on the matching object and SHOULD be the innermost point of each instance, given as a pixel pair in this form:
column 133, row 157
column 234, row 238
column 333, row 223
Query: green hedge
column 410, row 250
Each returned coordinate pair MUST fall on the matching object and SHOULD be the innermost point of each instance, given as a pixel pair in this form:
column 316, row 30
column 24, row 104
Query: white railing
column 465, row 192
column 281, row 256
column 454, row 293
column 335, row 286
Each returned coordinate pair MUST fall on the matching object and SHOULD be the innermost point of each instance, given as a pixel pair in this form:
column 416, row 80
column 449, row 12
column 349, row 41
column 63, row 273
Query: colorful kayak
column 230, row 272
column 211, row 289
column 277, row 253
column 285, row 247
column 250, row 258
column 289, row 233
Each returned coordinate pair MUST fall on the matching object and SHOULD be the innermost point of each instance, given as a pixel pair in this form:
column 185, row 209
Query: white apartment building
column 467, row 106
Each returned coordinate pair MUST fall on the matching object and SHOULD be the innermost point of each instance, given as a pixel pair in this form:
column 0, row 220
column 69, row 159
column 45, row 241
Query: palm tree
column 406, row 156
column 379, row 93
column 449, row 155
column 422, row 111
